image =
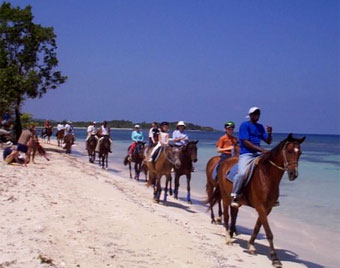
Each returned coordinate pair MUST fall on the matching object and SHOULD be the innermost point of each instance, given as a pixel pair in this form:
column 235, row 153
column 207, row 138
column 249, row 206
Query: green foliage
column 27, row 58
column 26, row 120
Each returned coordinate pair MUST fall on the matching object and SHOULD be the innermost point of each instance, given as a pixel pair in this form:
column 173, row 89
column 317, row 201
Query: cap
column 137, row 126
column 252, row 110
column 229, row 124
column 180, row 123
column 94, row 122
column 8, row 144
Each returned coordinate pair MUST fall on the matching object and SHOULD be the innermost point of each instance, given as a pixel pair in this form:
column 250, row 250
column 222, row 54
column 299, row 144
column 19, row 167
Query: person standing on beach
column 153, row 134
column 25, row 140
column 250, row 135
column 136, row 136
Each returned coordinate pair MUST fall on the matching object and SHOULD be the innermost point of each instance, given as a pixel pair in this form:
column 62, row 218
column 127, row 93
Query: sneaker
column 234, row 203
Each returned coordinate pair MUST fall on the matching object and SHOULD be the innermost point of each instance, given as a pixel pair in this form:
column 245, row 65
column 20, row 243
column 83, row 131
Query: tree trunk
column 18, row 126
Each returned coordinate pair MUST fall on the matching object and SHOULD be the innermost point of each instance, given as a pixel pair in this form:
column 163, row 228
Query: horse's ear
column 301, row 140
column 196, row 141
column 290, row 137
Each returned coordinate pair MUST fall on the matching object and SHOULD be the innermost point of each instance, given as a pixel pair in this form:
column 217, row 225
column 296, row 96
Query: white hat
column 137, row 126
column 253, row 109
column 8, row 144
column 180, row 123
column 94, row 122
column 70, row 122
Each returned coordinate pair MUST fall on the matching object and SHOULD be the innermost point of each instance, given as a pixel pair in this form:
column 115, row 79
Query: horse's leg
column 210, row 190
column 226, row 220
column 188, row 188
column 136, row 171
column 138, row 167
column 251, row 242
column 233, row 214
column 107, row 161
column 170, row 182
column 219, row 218
column 264, row 220
column 176, row 185
column 159, row 188
column 167, row 180
column 130, row 169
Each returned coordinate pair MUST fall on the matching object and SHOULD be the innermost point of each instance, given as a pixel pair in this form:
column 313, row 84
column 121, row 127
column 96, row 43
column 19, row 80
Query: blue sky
column 200, row 61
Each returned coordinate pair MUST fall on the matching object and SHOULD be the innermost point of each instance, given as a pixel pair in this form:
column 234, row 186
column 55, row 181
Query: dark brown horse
column 187, row 156
column 211, row 185
column 68, row 140
column 262, row 191
column 166, row 160
column 137, row 157
column 46, row 134
column 91, row 144
column 60, row 137
column 104, row 149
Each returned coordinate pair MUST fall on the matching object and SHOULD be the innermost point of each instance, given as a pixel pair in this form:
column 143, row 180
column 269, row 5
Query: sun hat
column 137, row 126
column 180, row 123
column 229, row 124
column 8, row 144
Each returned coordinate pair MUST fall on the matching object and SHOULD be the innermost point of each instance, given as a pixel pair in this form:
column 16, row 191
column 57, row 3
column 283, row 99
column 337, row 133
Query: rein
column 285, row 161
column 167, row 158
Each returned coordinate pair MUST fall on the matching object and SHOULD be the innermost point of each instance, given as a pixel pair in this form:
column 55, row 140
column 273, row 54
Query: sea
column 309, row 206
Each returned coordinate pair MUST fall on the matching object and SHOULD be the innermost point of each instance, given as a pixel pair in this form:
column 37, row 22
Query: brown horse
column 211, row 186
column 262, row 191
column 166, row 160
column 104, row 149
column 188, row 155
column 46, row 134
column 60, row 137
column 68, row 140
column 91, row 144
column 137, row 157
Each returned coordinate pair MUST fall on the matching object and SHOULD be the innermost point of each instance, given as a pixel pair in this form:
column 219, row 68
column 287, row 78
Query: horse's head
column 291, row 153
column 176, row 155
column 191, row 150
column 140, row 148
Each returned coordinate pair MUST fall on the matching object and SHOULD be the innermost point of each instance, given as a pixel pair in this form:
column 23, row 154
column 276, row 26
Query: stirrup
column 234, row 203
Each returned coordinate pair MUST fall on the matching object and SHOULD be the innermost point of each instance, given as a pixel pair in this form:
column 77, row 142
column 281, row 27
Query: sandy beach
column 69, row 213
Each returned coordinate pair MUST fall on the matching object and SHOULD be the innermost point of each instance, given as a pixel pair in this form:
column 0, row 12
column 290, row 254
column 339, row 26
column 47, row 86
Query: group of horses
column 261, row 193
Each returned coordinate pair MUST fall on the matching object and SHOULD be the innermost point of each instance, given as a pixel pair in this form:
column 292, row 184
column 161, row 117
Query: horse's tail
column 214, row 198
column 151, row 180
column 126, row 161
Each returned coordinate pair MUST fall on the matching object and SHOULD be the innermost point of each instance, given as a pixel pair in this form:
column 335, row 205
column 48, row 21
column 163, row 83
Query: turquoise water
column 312, row 198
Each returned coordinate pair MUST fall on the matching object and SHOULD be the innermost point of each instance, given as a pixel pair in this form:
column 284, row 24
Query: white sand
column 74, row 214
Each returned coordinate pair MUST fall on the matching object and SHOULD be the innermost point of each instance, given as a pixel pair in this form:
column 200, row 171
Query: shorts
column 22, row 148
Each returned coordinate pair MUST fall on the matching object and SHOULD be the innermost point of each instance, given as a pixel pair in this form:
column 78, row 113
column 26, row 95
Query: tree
column 27, row 59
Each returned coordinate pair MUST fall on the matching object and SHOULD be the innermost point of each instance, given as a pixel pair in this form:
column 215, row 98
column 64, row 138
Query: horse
column 46, row 133
column 68, row 140
column 167, row 158
column 104, row 149
column 188, row 155
column 137, row 157
column 211, row 185
column 60, row 137
column 262, row 191
column 91, row 144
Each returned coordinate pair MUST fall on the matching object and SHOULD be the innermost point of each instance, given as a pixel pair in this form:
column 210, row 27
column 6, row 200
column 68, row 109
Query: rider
column 227, row 145
column 153, row 134
column 104, row 131
column 179, row 136
column 163, row 139
column 136, row 136
column 250, row 134
column 69, row 130
column 91, row 131
column 60, row 127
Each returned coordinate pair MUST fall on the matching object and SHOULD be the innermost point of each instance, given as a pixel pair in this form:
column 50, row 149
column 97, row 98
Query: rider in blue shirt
column 136, row 136
column 250, row 135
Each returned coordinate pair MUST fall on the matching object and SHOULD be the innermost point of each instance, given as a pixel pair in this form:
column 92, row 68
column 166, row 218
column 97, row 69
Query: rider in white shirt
column 91, row 130
column 104, row 130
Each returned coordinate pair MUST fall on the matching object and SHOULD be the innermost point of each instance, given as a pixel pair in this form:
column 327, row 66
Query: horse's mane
column 273, row 152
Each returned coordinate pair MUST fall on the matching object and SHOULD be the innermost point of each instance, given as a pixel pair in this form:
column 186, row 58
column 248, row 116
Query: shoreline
column 116, row 194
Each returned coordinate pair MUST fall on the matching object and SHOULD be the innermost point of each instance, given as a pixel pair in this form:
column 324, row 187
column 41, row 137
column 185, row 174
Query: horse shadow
column 180, row 206
column 283, row 254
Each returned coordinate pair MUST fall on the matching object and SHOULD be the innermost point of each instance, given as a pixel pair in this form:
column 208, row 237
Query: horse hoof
column 189, row 202
column 170, row 192
column 277, row 263
column 219, row 220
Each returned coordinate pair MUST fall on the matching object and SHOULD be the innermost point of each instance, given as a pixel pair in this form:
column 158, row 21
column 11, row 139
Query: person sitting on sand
column 250, row 134
column 136, row 136
column 11, row 155
column 163, row 139
column 227, row 145
column 104, row 131
column 25, row 140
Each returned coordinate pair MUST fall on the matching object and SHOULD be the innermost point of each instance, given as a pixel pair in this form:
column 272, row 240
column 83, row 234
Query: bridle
column 285, row 161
